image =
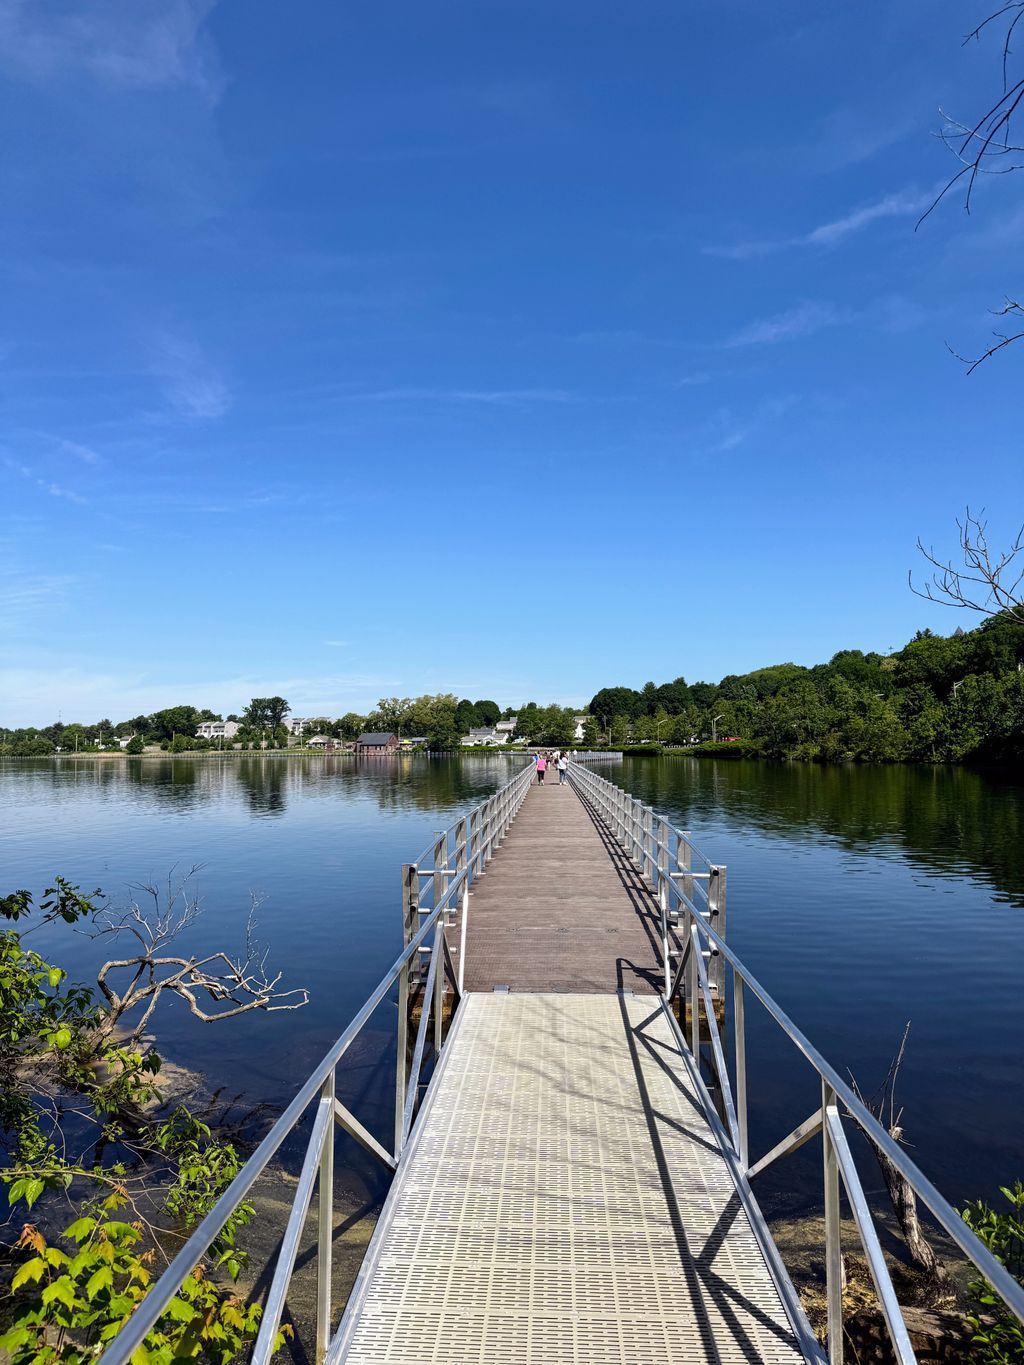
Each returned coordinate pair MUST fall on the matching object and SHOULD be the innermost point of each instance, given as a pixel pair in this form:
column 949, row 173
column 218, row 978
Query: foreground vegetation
column 83, row 1126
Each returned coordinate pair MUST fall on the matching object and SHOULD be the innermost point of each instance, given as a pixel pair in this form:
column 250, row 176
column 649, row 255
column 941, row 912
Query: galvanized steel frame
column 472, row 840
column 638, row 829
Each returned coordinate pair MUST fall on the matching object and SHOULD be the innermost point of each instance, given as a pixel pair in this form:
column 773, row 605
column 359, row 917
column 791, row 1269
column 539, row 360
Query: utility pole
column 714, row 729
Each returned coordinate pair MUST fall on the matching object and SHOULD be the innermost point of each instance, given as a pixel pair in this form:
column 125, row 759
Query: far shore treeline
column 942, row 699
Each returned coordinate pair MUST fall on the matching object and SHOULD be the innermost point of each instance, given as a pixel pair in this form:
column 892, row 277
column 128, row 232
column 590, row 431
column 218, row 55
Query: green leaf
column 61, row 1289
column 33, row 1189
column 31, row 1270
column 99, row 1279
column 62, row 1039
column 180, row 1311
column 80, row 1229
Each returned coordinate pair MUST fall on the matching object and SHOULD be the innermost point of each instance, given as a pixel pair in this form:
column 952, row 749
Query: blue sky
column 509, row 349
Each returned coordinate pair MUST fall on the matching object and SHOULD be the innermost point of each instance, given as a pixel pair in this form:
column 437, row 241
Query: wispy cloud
column 691, row 381
column 139, row 44
column 796, row 322
column 80, row 452
column 889, row 313
column 336, row 644
column 497, row 396
column 59, row 445
column 24, row 594
column 50, row 486
column 192, row 385
column 33, row 693
column 904, row 204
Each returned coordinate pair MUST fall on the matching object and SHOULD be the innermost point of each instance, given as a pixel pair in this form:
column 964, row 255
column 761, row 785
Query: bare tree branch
column 988, row 145
column 234, row 985
column 901, row 1192
column 988, row 582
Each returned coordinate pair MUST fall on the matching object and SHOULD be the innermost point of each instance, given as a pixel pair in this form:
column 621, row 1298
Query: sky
column 514, row 350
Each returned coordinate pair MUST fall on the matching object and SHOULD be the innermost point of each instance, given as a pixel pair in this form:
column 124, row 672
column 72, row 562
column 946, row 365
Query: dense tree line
column 939, row 699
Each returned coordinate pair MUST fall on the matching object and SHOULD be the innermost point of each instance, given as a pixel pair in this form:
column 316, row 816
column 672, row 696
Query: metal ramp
column 564, row 1199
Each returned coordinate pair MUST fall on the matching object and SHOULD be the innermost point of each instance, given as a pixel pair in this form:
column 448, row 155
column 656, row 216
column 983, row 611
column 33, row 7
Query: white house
column 506, row 728
column 298, row 725
column 578, row 724
column 217, row 729
column 482, row 734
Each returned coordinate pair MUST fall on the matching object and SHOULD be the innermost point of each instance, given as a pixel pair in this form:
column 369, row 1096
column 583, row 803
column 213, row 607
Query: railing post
column 401, row 1076
column 685, row 861
column 833, row 1244
column 325, row 1230
column 740, row 1043
column 475, row 843
column 693, row 989
column 438, row 986
column 664, row 894
column 716, row 918
column 410, row 907
column 647, row 866
column 440, row 879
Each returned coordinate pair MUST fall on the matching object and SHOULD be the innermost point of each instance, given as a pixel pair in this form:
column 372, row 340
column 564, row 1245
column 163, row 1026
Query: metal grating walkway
column 564, row 1200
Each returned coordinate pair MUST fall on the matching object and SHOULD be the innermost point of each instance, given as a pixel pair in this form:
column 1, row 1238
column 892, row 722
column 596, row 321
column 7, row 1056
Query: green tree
column 488, row 711
column 136, row 745
column 615, row 701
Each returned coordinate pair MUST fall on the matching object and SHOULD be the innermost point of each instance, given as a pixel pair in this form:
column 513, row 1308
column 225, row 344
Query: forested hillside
column 940, row 698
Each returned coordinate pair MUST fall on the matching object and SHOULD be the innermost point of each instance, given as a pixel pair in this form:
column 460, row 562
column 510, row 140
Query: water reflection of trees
column 268, row 782
column 943, row 819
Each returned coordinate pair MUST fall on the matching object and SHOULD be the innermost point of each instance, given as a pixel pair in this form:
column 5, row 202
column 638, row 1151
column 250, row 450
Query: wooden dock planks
column 560, row 907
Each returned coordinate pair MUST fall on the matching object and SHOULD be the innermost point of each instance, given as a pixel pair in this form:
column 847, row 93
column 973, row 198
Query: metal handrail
column 492, row 817
column 622, row 813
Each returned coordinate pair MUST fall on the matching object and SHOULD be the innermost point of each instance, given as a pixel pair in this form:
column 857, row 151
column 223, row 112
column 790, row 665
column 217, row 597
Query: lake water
column 861, row 898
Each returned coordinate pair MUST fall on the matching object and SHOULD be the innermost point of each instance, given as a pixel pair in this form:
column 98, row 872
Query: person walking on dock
column 542, row 765
column 563, row 769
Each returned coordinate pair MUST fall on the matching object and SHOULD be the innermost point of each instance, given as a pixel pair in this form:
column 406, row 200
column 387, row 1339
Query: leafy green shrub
column 67, row 1305
column 70, row 1306
column 998, row 1335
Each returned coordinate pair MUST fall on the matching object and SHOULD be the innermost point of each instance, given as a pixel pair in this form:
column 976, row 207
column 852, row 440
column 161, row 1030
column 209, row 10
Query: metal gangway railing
column 692, row 917
column 596, row 755
column 434, row 890
column 690, row 898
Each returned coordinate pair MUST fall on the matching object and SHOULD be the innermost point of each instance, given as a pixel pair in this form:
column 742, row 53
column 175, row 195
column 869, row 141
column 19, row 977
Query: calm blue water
column 861, row 897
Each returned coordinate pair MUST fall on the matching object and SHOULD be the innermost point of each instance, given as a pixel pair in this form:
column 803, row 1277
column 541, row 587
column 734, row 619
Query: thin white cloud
column 80, row 452
column 191, row 384
column 54, row 489
column 25, row 595
column 496, row 396
column 336, row 644
column 690, row 381
column 796, row 322
column 34, row 694
column 135, row 44
column 903, row 204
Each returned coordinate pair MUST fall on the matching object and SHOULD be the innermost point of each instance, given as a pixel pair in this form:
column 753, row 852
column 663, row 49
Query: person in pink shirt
column 542, row 767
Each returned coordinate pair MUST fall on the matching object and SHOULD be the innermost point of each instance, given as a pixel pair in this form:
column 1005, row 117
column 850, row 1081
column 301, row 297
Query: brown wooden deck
column 560, row 907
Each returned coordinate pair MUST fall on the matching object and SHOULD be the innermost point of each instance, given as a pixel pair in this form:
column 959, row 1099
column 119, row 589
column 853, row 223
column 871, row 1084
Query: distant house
column 298, row 725
column 578, row 724
column 506, row 728
column 376, row 743
column 482, row 735
column 124, row 740
column 412, row 741
column 217, row 729
column 321, row 742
